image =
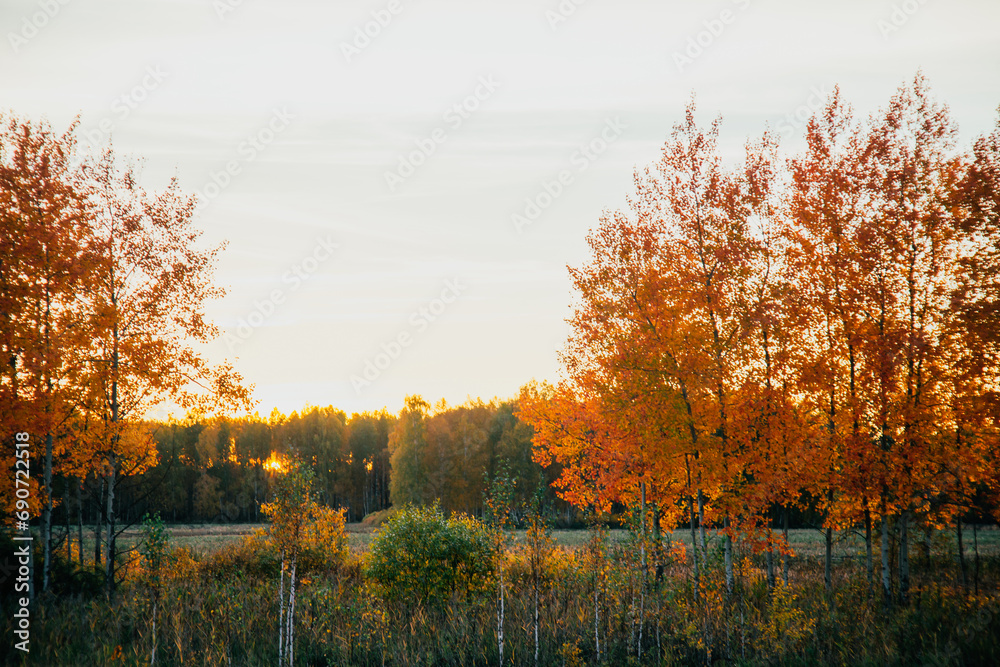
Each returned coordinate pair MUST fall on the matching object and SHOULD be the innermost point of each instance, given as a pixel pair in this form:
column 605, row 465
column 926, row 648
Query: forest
column 787, row 345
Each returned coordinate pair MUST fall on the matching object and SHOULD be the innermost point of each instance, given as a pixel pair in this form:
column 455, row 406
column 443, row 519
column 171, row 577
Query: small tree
column 499, row 503
column 597, row 555
column 288, row 513
column 540, row 546
column 155, row 549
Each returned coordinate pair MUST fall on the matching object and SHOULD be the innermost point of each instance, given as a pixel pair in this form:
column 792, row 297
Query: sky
column 402, row 184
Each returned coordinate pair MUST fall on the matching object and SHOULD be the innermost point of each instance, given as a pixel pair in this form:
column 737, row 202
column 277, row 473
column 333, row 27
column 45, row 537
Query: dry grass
column 220, row 610
column 205, row 539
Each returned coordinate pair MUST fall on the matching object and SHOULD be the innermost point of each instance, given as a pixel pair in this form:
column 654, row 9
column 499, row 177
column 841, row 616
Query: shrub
column 377, row 519
column 324, row 539
column 420, row 556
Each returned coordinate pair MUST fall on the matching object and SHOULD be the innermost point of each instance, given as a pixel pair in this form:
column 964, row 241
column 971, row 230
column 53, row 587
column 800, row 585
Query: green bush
column 420, row 556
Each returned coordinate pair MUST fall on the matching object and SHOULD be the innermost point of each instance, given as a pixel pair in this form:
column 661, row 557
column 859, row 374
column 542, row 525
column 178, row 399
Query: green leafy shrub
column 421, row 556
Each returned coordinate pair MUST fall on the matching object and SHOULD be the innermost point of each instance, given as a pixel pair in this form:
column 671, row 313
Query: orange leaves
column 820, row 325
column 568, row 431
column 660, row 328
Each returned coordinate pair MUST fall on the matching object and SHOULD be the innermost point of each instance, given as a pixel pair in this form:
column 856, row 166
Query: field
column 217, row 605
column 205, row 539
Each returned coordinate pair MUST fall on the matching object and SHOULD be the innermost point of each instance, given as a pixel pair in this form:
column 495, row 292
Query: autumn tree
column 407, row 444
column 818, row 330
column 876, row 250
column 147, row 309
column 830, row 207
column 967, row 428
column 442, row 456
column 368, row 440
column 320, row 438
column 44, row 272
column 499, row 501
column 663, row 327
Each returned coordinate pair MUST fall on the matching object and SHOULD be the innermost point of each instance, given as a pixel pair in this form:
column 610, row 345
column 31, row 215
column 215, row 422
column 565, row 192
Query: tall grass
column 222, row 609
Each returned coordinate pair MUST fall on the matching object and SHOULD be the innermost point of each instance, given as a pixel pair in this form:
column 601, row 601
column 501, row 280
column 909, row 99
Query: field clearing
column 204, row 539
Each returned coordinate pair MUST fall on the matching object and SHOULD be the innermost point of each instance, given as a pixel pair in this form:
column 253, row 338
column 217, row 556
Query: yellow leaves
column 787, row 626
column 326, row 530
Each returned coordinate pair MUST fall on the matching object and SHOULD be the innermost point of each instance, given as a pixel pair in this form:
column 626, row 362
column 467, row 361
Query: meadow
column 217, row 605
column 206, row 539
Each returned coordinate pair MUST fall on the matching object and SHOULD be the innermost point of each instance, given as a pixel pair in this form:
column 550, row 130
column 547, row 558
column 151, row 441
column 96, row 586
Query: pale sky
column 410, row 148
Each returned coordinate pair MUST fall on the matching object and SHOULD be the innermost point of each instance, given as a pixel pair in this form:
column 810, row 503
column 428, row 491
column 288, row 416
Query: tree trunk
column 828, row 558
column 642, row 566
column 98, row 525
column 701, row 526
column 281, row 612
column 961, row 554
column 69, row 533
column 79, row 517
column 784, row 556
column 47, row 511
column 975, row 546
column 112, row 466
column 886, row 575
column 597, row 612
column 658, row 542
column 828, row 561
column 771, row 579
column 290, row 644
column 500, row 614
column 536, row 622
column 728, row 551
column 694, row 552
column 109, row 557
column 642, row 531
column 152, row 654
column 868, row 550
column 904, row 557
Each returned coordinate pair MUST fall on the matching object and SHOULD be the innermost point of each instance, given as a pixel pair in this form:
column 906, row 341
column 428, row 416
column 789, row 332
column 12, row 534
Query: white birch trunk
column 281, row 613
column 701, row 526
column 536, row 626
column 597, row 618
column 152, row 656
column 784, row 556
column 290, row 642
column 500, row 614
column 728, row 550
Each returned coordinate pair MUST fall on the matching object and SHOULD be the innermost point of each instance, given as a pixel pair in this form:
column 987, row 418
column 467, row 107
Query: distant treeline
column 221, row 469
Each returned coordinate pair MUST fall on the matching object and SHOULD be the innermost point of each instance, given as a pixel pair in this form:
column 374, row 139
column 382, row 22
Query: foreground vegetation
column 219, row 606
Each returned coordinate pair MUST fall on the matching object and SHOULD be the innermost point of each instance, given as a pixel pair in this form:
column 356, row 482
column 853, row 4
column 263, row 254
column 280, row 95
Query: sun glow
column 274, row 463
